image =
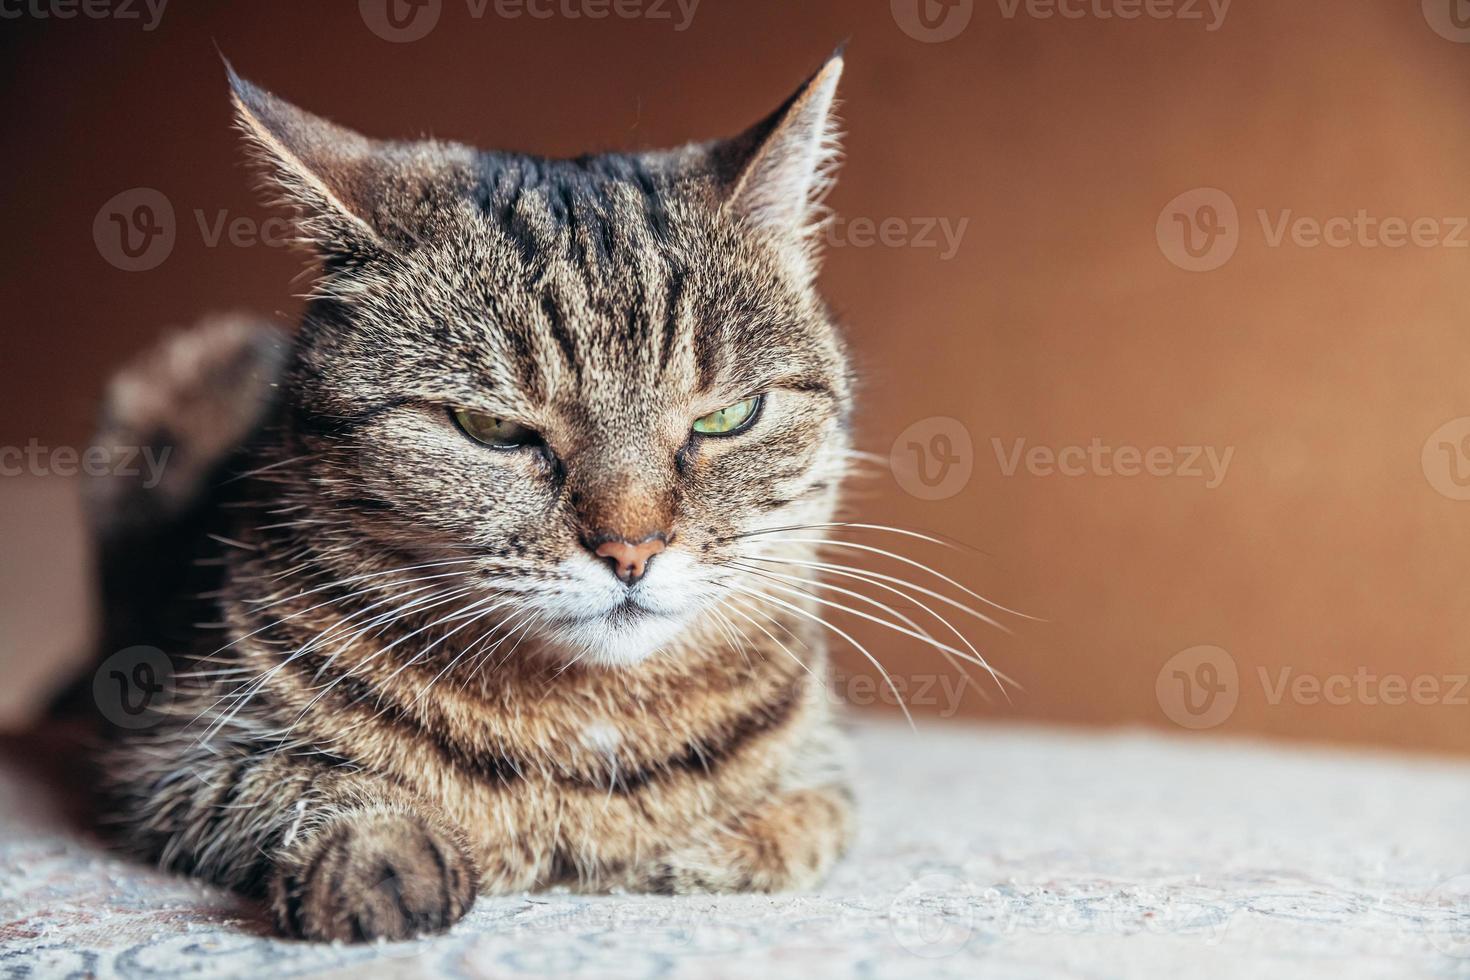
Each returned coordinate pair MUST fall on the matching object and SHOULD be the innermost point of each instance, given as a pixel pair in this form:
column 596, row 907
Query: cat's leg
column 339, row 853
column 788, row 843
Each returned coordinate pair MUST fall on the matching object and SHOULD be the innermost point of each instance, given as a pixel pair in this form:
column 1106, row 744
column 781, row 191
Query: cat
column 490, row 548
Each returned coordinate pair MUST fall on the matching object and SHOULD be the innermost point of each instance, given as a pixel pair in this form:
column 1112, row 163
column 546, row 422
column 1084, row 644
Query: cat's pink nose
column 629, row 559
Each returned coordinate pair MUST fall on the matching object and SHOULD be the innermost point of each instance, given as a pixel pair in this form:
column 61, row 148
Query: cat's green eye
column 730, row 420
column 492, row 431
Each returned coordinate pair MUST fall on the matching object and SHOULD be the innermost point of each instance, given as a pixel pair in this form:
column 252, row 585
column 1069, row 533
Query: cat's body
column 443, row 666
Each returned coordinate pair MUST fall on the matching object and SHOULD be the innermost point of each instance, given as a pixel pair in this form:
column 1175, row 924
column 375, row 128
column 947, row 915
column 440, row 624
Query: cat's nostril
column 629, row 559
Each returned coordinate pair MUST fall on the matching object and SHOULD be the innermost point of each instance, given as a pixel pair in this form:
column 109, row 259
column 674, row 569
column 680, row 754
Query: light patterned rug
column 984, row 852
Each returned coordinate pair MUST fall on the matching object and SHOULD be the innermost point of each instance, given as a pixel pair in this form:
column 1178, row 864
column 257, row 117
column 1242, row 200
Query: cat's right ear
column 776, row 174
column 323, row 172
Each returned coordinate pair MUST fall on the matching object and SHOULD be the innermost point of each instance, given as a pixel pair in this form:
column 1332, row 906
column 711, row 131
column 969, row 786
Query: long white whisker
column 834, row 543
column 931, row 641
column 525, row 627
column 737, row 609
column 329, row 602
column 727, row 628
column 380, row 622
column 479, row 644
column 855, row 525
column 867, row 575
column 460, row 656
column 978, row 657
column 358, row 667
column 247, row 691
column 758, row 594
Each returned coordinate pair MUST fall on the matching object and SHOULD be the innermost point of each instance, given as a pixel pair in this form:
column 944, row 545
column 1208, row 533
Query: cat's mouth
column 629, row 612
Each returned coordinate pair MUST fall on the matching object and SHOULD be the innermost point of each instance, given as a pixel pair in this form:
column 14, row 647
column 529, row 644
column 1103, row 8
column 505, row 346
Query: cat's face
column 580, row 381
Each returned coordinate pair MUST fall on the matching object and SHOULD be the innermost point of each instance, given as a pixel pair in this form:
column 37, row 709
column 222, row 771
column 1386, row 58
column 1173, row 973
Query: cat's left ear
column 352, row 197
column 776, row 173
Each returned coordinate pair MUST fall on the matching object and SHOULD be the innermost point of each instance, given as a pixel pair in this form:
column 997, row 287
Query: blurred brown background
column 1055, row 311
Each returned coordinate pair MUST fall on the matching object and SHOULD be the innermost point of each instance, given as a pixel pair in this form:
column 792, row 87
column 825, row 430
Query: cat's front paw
column 374, row 874
column 790, row 844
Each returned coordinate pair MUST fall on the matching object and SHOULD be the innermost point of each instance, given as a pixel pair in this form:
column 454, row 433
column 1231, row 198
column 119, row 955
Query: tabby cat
column 480, row 539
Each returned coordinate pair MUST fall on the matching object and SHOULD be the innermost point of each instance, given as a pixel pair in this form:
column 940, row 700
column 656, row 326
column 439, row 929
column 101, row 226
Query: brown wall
column 1326, row 550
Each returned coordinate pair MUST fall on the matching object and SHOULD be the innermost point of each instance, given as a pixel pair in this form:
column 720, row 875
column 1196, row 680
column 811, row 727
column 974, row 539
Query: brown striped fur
column 422, row 683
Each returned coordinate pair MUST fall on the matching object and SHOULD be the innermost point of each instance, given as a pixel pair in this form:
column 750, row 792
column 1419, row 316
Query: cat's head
column 577, row 380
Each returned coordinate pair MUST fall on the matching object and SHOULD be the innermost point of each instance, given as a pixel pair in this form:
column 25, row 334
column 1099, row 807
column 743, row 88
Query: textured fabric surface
column 983, row 852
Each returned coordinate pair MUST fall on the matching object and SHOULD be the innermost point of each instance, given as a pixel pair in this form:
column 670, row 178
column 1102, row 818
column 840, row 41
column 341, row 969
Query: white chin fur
column 585, row 627
column 617, row 642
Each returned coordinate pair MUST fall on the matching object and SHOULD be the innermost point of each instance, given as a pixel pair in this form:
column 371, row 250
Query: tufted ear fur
column 352, row 197
column 777, row 173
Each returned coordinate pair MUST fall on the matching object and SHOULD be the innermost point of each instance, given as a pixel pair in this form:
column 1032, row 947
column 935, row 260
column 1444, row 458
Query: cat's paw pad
column 376, row 875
